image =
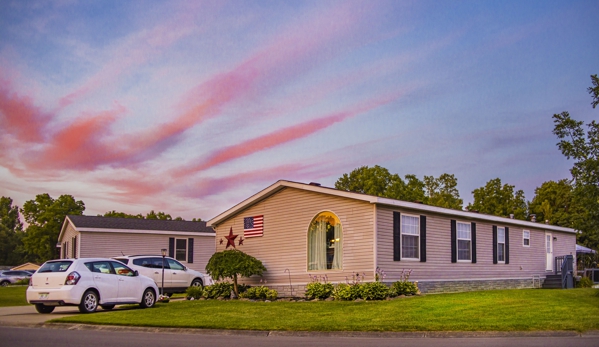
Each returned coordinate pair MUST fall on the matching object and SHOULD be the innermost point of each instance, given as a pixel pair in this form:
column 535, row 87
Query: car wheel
column 197, row 283
column 89, row 302
column 107, row 307
column 4, row 283
column 149, row 299
column 41, row 308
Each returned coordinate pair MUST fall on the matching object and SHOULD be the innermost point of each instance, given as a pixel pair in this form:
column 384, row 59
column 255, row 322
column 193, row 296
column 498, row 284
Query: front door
column 549, row 251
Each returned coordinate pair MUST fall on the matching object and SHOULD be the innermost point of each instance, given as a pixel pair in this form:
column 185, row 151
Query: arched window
column 325, row 242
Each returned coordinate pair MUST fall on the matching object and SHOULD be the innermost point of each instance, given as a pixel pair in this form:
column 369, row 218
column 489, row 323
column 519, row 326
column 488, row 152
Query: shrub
column 259, row 293
column 347, row 292
column 218, row 290
column 584, row 282
column 374, row 291
column 194, row 292
column 403, row 288
column 317, row 290
column 23, row 282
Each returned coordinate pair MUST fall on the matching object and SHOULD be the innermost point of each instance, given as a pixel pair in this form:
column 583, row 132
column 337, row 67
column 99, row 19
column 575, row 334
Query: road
column 61, row 337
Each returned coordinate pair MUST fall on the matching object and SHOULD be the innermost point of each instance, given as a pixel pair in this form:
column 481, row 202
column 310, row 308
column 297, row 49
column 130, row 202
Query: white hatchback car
column 89, row 283
column 177, row 277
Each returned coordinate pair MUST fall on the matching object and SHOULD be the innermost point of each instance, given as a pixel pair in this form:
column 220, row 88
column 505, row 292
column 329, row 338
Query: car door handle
column 156, row 273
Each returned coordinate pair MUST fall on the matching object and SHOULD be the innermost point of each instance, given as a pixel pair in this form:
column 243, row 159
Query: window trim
column 501, row 243
column 401, row 233
column 308, row 243
column 526, row 238
column 184, row 248
column 457, row 242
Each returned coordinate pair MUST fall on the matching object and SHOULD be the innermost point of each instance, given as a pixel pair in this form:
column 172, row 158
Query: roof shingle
column 100, row 222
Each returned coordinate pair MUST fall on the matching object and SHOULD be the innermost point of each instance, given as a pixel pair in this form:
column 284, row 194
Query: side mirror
column 135, row 273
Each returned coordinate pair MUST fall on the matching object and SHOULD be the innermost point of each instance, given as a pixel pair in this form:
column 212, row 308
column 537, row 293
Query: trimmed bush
column 260, row 293
column 194, row 292
column 318, row 290
column 218, row 290
column 347, row 292
column 374, row 291
column 403, row 288
column 584, row 282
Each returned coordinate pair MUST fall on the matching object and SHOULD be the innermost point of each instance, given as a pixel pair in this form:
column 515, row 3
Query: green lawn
column 501, row 310
column 13, row 296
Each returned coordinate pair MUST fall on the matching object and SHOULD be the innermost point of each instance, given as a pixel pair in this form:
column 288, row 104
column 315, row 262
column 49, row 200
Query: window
column 410, row 235
column 174, row 265
column 181, row 249
column 464, row 241
column 325, row 242
column 55, row 266
column 526, row 238
column 501, row 245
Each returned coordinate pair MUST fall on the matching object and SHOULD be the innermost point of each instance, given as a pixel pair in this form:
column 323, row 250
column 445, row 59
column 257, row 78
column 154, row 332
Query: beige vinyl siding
column 287, row 216
column 68, row 235
column 103, row 244
column 524, row 262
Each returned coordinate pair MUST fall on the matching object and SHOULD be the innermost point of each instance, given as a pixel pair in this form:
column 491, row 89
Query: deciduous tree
column 233, row 264
column 554, row 202
column 499, row 200
column 11, row 233
column 443, row 191
column 45, row 217
column 583, row 148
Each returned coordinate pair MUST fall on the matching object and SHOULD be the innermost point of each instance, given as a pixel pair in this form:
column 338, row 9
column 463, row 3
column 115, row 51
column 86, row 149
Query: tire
column 148, row 299
column 41, row 308
column 197, row 283
column 89, row 302
column 107, row 307
column 4, row 283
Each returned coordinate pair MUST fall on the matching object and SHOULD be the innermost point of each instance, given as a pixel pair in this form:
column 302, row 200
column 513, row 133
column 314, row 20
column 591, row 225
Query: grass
column 13, row 296
column 501, row 310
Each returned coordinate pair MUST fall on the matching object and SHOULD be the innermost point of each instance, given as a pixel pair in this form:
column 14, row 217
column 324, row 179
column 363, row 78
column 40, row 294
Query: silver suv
column 177, row 277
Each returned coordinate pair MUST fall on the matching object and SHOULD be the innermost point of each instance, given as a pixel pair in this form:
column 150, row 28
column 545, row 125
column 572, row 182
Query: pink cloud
column 82, row 144
column 20, row 117
column 282, row 136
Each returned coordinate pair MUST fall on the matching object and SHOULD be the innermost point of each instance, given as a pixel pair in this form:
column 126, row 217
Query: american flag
column 253, row 226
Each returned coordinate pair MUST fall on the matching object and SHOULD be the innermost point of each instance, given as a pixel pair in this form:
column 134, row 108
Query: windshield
column 55, row 266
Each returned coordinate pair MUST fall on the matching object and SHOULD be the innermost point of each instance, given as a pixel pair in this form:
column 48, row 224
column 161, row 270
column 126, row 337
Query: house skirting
column 431, row 287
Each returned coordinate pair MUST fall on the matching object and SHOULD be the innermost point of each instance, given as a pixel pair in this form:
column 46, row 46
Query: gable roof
column 282, row 184
column 99, row 223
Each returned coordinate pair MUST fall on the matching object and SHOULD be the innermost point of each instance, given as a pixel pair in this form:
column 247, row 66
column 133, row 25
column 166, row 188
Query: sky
column 190, row 107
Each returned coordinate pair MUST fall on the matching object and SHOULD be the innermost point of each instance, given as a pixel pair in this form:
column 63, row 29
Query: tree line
column 570, row 202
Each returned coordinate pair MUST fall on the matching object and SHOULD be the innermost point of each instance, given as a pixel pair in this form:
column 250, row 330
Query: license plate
column 44, row 295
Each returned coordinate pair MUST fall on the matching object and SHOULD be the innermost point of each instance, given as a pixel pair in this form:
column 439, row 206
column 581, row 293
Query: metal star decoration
column 221, row 241
column 231, row 238
column 241, row 239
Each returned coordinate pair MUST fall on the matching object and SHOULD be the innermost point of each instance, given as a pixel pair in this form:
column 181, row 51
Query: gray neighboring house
column 192, row 243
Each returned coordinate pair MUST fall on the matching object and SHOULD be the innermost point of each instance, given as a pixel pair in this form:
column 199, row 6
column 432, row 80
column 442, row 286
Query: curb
column 350, row 334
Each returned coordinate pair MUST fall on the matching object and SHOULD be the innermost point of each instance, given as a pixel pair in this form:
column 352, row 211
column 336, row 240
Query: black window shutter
column 507, row 245
column 396, row 236
column 190, row 250
column 454, row 240
column 494, row 244
column 171, row 247
column 473, row 234
column 422, row 239
column 73, row 247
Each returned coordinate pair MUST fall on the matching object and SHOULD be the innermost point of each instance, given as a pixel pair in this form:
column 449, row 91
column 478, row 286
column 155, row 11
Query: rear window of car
column 55, row 266
column 122, row 260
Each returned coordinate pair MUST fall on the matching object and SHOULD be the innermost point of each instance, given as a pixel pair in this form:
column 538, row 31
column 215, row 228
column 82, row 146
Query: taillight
column 72, row 279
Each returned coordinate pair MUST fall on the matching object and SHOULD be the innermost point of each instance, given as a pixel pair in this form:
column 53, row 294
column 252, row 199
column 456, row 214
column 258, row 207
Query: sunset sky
column 190, row 107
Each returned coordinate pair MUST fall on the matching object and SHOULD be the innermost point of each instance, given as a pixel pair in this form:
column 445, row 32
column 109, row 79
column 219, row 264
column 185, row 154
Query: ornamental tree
column 232, row 264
